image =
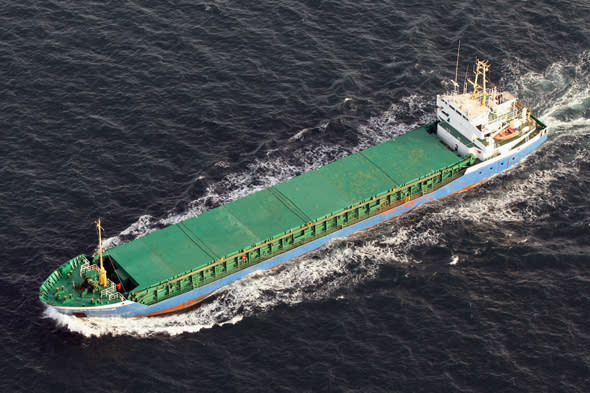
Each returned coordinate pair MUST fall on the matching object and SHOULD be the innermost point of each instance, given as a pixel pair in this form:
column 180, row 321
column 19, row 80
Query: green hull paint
column 250, row 230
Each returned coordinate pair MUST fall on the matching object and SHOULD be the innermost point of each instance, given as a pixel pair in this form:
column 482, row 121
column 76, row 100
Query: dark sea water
column 146, row 113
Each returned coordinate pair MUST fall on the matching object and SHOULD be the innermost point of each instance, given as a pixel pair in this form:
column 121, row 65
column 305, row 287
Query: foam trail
column 262, row 174
column 207, row 317
column 318, row 275
column 561, row 93
column 521, row 195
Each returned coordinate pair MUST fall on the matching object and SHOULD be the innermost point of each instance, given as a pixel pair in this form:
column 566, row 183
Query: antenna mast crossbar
column 481, row 69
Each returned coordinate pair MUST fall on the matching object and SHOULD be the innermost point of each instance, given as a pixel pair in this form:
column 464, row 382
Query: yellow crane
column 102, row 276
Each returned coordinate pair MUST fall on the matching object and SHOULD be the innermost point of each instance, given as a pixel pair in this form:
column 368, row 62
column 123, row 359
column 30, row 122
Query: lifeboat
column 506, row 134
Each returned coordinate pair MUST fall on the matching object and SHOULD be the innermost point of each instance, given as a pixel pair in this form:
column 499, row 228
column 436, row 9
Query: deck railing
column 170, row 289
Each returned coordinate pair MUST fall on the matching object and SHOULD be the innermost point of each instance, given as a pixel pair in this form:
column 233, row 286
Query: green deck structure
column 282, row 209
column 183, row 264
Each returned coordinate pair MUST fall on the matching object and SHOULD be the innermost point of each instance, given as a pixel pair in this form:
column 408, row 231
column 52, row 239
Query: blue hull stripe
column 471, row 178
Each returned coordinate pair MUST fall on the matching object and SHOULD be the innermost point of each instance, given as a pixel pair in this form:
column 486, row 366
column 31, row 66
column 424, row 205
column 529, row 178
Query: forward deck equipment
column 477, row 135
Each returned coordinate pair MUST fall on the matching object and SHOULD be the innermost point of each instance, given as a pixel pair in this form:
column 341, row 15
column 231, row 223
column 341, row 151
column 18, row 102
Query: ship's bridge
column 483, row 122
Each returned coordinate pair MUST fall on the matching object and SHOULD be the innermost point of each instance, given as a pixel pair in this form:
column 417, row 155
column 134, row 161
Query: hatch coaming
column 225, row 238
column 267, row 214
column 265, row 223
column 310, row 232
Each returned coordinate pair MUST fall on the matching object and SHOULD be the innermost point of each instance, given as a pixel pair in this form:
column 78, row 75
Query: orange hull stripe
column 191, row 302
column 178, row 307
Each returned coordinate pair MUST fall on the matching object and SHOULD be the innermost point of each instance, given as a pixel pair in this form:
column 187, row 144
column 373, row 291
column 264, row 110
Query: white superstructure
column 483, row 122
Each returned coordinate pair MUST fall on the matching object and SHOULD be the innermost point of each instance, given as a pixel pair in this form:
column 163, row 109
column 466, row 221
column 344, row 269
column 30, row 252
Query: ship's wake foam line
column 260, row 292
column 473, row 176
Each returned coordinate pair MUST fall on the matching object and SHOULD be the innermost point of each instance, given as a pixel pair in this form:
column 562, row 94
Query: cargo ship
column 477, row 134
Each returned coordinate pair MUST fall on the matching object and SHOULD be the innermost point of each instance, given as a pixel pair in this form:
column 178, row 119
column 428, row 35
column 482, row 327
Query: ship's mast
column 481, row 69
column 102, row 277
column 456, row 84
column 485, row 67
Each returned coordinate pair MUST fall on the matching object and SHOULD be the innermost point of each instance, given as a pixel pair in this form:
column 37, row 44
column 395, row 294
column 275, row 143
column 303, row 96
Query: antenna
column 456, row 84
column 465, row 80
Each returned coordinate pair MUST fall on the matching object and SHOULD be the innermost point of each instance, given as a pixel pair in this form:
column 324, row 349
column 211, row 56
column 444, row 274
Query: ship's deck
column 470, row 106
column 226, row 230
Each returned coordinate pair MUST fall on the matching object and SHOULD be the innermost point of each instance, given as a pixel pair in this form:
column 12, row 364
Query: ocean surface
column 146, row 113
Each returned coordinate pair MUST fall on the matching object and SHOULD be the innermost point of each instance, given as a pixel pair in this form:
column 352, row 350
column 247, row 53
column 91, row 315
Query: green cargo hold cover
column 264, row 215
column 313, row 195
column 415, row 154
column 160, row 255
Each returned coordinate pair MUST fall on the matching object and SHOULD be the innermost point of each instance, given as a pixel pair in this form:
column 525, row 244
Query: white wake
column 561, row 94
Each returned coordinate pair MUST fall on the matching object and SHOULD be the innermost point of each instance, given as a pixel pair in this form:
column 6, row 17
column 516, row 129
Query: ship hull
column 473, row 176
